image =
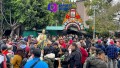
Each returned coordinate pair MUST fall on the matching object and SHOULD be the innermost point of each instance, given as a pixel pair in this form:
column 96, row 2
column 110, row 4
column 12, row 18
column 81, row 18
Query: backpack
column 24, row 61
column 50, row 62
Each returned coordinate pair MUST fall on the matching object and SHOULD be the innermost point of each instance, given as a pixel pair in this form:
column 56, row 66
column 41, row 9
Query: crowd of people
column 68, row 51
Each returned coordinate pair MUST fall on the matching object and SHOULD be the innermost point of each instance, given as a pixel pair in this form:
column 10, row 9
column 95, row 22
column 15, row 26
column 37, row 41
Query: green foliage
column 87, row 3
column 30, row 13
column 90, row 12
column 74, row 6
column 89, row 22
column 104, row 22
column 104, row 15
column 59, row 16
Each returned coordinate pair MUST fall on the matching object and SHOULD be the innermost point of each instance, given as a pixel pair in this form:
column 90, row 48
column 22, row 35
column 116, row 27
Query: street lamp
column 94, row 7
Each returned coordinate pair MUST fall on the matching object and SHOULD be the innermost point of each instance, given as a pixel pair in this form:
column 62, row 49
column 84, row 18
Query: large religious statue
column 42, row 38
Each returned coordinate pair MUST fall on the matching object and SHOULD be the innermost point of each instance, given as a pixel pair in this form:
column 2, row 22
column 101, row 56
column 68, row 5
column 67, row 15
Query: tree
column 3, row 25
column 105, row 22
column 26, row 12
column 104, row 15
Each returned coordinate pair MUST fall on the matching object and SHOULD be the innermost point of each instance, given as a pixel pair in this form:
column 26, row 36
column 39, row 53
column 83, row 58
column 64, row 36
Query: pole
column 94, row 25
column 118, row 24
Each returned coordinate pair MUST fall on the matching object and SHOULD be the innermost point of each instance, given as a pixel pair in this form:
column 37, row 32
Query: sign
column 65, row 7
column 54, row 7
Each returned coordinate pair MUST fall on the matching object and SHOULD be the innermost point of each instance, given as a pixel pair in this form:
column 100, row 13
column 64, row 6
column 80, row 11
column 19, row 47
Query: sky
column 115, row 2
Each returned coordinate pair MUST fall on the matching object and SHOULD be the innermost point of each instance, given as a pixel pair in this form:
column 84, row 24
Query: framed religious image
column 72, row 13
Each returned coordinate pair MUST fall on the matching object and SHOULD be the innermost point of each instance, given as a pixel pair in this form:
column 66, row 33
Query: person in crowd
column 4, row 49
column 118, row 49
column 14, row 47
column 70, row 41
column 84, row 54
column 11, row 53
column 22, row 44
column 82, row 42
column 56, row 52
column 75, row 56
column 1, row 60
column 92, row 51
column 62, row 42
column 118, row 60
column 17, row 59
column 36, row 62
column 105, row 43
column 118, row 45
column 32, row 46
column 112, row 54
column 49, row 48
column 97, row 61
column 62, row 48
column 88, row 43
column 99, row 45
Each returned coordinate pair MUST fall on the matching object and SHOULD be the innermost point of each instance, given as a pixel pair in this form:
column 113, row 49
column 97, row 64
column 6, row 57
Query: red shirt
column 63, row 45
column 84, row 55
column 70, row 41
column 5, row 52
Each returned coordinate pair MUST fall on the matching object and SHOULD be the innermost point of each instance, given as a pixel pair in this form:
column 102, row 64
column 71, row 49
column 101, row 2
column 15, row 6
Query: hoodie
column 94, row 62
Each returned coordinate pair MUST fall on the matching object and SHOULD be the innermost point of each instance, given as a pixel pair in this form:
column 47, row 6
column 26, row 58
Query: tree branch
column 14, row 24
column 3, row 14
column 10, row 16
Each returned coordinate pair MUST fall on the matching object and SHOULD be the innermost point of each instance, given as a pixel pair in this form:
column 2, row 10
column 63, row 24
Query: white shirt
column 1, row 59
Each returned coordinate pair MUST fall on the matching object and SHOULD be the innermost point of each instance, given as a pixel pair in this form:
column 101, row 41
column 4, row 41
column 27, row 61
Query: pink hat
column 99, row 41
column 111, row 42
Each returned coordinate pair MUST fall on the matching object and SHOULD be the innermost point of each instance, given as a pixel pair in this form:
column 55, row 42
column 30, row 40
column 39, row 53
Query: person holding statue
column 42, row 38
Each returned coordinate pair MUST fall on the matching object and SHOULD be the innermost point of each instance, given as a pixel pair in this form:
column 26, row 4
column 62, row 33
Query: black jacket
column 94, row 62
column 48, row 50
column 75, row 59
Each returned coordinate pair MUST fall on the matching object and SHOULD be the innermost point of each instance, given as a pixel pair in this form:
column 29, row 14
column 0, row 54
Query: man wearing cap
column 99, row 45
column 112, row 54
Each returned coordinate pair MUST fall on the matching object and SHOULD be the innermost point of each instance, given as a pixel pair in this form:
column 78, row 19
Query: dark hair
column 83, row 46
column 3, row 47
column 105, row 41
column 36, row 52
column 74, row 44
column 55, row 43
column 119, row 53
column 99, row 51
column 20, row 52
